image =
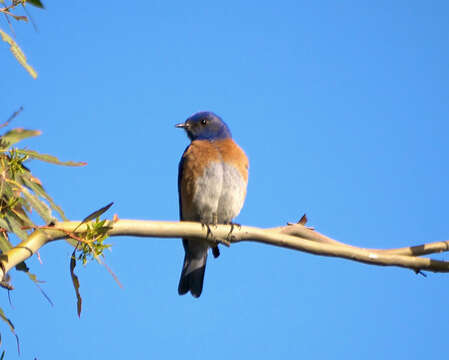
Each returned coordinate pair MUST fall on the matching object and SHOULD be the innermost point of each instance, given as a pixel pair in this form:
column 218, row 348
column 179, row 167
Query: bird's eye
column 203, row 122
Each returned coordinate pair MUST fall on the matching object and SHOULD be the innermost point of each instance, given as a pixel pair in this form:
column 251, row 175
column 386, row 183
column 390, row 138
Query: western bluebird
column 212, row 179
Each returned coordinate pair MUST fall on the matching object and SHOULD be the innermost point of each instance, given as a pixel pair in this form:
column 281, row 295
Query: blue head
column 205, row 125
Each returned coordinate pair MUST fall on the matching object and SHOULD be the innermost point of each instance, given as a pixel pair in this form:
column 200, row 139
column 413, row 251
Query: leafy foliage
column 20, row 191
column 22, row 194
column 91, row 246
column 9, row 9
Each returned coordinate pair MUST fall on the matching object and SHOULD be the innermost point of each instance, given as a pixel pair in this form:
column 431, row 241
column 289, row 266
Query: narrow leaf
column 39, row 190
column 76, row 283
column 41, row 207
column 49, row 158
column 5, row 245
column 22, row 217
column 36, row 3
column 11, row 327
column 23, row 267
column 15, row 135
column 18, row 53
column 4, row 318
column 95, row 214
column 14, row 226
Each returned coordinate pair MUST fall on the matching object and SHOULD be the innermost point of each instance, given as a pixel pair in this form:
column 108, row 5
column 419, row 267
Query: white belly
column 219, row 193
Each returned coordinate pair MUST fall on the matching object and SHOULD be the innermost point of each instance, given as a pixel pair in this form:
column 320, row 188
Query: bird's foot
column 215, row 241
column 230, row 238
column 209, row 235
column 212, row 239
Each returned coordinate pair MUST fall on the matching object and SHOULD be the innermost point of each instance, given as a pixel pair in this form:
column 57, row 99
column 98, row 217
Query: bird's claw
column 230, row 238
column 234, row 225
column 209, row 231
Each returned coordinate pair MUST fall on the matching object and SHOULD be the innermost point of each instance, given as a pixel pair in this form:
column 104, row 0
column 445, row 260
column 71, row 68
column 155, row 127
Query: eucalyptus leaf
column 41, row 207
column 49, row 158
column 15, row 135
column 76, row 283
column 4, row 318
column 17, row 51
column 39, row 190
column 23, row 267
column 5, row 245
column 14, row 226
column 36, row 3
column 94, row 215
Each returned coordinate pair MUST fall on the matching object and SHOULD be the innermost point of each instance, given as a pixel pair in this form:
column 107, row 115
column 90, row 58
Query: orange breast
column 233, row 154
column 197, row 157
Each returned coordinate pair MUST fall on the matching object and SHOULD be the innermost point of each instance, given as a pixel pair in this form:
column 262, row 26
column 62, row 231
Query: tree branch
column 296, row 237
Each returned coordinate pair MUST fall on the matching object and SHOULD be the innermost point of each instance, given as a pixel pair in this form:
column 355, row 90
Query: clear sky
column 342, row 108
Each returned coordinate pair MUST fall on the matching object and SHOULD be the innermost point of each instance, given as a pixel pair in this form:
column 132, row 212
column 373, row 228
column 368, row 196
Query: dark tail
column 192, row 275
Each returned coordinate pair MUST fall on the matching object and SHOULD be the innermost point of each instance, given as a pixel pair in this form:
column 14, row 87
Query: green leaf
column 39, row 190
column 23, row 267
column 25, row 205
column 94, row 215
column 49, row 158
column 15, row 226
column 11, row 326
column 15, row 135
column 76, row 283
column 97, row 213
column 17, row 51
column 5, row 245
column 3, row 316
column 36, row 3
column 41, row 207
column 22, row 218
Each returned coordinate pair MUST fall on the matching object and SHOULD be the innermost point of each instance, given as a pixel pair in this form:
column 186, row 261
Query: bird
column 212, row 182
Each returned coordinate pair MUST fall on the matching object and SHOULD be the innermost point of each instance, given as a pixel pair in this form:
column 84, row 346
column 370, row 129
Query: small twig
column 16, row 17
column 70, row 234
column 6, row 123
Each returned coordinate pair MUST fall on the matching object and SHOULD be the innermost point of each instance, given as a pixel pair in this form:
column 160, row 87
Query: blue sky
column 342, row 108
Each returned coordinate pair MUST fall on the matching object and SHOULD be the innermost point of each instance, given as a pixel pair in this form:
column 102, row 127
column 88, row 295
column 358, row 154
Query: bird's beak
column 181, row 125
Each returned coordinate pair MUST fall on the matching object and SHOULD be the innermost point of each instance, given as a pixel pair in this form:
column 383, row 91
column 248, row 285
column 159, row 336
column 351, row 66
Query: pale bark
column 295, row 237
